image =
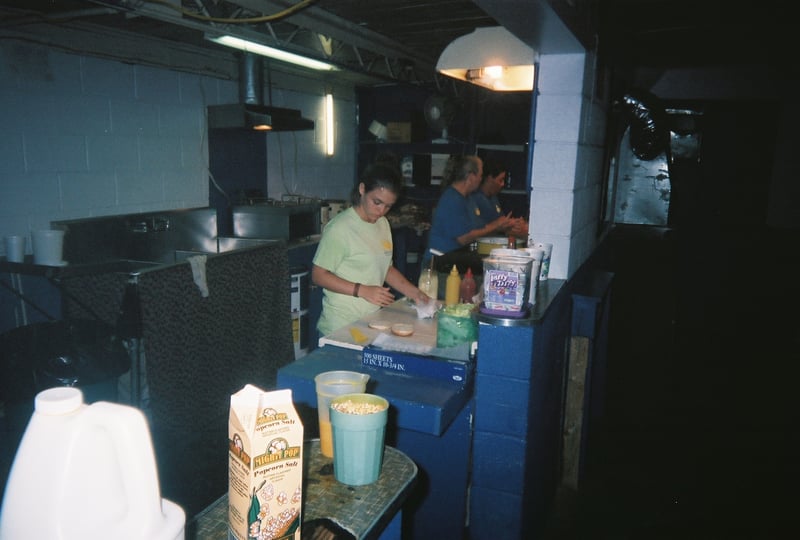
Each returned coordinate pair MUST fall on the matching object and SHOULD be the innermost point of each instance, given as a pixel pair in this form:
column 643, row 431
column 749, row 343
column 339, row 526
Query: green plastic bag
column 456, row 324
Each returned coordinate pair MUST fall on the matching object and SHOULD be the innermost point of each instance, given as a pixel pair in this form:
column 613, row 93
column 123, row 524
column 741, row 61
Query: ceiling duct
column 250, row 112
column 648, row 136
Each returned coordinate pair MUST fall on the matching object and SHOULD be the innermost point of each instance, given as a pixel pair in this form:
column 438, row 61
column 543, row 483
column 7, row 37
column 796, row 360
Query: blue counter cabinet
column 429, row 420
column 438, row 507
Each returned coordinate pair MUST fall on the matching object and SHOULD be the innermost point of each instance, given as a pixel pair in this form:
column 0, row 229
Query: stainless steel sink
column 137, row 242
column 129, row 266
column 158, row 237
column 113, row 266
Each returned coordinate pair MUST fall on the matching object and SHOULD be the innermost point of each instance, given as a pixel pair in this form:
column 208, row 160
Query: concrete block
column 511, row 357
column 500, row 389
column 501, row 419
column 494, row 514
column 498, row 462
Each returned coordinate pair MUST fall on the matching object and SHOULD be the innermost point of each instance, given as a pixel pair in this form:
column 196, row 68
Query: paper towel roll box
column 299, row 288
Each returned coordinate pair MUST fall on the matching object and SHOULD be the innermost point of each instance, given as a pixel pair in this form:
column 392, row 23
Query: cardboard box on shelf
column 398, row 132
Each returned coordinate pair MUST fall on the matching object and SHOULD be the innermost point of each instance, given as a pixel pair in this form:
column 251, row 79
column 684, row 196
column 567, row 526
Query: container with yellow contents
column 330, row 384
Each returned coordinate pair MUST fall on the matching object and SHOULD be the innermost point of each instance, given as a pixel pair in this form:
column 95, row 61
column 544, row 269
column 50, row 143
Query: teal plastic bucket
column 359, row 427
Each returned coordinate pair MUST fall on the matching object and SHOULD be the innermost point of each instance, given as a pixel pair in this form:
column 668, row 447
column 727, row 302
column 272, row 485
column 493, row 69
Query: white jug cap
column 59, row 400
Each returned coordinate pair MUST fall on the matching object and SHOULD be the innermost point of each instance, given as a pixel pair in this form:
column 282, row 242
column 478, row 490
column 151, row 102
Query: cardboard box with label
column 398, row 132
column 265, row 465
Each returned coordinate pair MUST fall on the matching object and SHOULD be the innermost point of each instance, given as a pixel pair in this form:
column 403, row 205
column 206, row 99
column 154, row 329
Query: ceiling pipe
column 251, row 75
column 251, row 112
column 26, row 18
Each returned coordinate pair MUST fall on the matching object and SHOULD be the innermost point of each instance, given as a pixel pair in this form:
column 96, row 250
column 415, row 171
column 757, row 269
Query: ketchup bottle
column 467, row 288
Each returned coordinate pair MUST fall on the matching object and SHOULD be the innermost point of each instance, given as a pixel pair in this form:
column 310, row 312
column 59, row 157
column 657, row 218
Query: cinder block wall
column 85, row 136
column 567, row 172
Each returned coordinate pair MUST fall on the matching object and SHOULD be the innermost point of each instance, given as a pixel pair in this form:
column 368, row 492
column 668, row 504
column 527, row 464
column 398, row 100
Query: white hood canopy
column 491, row 57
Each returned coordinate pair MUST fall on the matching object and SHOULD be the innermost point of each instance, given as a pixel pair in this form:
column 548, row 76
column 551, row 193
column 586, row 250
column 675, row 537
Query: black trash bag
column 58, row 353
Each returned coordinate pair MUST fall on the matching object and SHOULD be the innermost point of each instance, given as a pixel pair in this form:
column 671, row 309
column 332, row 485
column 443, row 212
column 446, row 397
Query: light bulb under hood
column 491, row 57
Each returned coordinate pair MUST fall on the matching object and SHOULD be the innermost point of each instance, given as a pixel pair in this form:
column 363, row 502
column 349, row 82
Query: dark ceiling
column 387, row 39
column 692, row 33
column 402, row 39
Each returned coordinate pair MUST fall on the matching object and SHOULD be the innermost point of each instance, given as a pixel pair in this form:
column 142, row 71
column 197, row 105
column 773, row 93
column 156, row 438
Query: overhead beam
column 323, row 22
column 114, row 44
column 347, row 37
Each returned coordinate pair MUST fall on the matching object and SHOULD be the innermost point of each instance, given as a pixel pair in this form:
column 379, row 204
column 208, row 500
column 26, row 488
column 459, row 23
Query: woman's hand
column 399, row 283
column 420, row 297
column 374, row 294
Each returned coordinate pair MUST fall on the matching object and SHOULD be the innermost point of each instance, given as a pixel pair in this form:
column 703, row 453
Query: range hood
column 251, row 116
column 251, row 113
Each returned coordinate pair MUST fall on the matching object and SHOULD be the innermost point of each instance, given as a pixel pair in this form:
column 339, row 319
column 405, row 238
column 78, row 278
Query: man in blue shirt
column 456, row 219
column 486, row 199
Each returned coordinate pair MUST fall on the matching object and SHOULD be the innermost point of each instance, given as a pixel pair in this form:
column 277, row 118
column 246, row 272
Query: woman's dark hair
column 459, row 167
column 492, row 167
column 378, row 175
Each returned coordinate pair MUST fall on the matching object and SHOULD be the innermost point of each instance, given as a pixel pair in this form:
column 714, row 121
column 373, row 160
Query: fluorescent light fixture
column 329, row 124
column 491, row 57
column 271, row 52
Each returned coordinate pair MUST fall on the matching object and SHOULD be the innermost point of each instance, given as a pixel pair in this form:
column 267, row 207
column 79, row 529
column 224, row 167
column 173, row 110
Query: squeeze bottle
column 452, row 287
column 429, row 282
column 468, row 286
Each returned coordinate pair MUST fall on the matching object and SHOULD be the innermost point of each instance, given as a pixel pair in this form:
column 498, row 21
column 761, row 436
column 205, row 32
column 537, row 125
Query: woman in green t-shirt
column 353, row 263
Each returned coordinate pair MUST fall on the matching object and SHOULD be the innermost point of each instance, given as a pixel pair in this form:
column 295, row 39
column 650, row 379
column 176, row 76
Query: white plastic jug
column 86, row 472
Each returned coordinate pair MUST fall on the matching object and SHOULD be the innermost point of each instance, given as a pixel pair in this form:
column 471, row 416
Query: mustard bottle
column 452, row 288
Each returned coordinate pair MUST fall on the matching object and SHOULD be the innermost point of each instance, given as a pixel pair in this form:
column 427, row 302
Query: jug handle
column 131, row 438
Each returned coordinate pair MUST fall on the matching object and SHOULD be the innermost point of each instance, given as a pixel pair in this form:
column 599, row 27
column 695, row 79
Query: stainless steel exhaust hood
column 251, row 116
column 251, row 113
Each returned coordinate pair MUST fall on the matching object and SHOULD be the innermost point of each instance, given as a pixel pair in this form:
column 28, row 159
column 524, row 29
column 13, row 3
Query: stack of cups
column 48, row 247
column 548, row 252
column 536, row 268
column 15, row 248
